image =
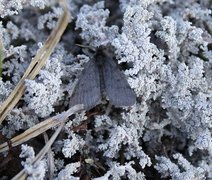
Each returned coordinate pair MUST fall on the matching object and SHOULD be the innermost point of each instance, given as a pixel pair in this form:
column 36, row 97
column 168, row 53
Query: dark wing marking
column 117, row 88
column 87, row 89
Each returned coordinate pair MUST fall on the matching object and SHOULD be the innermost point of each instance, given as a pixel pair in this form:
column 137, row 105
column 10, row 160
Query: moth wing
column 87, row 90
column 117, row 88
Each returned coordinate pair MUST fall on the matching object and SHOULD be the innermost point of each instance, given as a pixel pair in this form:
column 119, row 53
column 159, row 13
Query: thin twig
column 39, row 128
column 1, row 57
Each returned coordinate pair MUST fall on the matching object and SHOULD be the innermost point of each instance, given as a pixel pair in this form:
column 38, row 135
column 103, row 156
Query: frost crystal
column 18, row 120
column 168, row 168
column 38, row 3
column 14, row 6
column 117, row 171
column 41, row 96
column 48, row 19
column 16, row 67
column 92, row 21
column 168, row 34
column 35, row 171
column 5, row 89
column 72, row 145
column 67, row 172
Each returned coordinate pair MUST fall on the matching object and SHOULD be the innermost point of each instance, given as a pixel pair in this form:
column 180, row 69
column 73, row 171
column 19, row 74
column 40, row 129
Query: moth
column 101, row 78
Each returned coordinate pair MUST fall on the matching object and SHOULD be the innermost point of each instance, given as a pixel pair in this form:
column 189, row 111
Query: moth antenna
column 85, row 46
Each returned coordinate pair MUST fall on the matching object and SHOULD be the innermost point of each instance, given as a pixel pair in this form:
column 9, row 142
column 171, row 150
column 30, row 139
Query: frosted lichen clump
column 40, row 96
column 164, row 49
column 36, row 170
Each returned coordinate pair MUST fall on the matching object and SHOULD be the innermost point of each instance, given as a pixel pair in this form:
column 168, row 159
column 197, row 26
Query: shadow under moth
column 102, row 78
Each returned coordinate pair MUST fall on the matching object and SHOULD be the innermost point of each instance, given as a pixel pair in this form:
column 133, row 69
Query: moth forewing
column 117, row 88
column 87, row 90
